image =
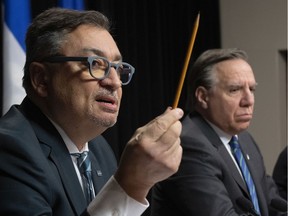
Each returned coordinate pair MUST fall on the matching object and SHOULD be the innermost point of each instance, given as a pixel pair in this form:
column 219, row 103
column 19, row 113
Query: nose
column 112, row 80
column 247, row 98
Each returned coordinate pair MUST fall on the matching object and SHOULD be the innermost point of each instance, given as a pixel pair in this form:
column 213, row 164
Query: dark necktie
column 84, row 166
column 245, row 171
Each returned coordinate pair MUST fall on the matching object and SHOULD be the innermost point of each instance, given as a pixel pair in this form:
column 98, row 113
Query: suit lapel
column 214, row 139
column 248, row 148
column 234, row 171
column 62, row 160
column 98, row 180
column 55, row 150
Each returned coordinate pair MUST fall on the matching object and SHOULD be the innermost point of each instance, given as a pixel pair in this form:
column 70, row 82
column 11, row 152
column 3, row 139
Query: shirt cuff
column 113, row 200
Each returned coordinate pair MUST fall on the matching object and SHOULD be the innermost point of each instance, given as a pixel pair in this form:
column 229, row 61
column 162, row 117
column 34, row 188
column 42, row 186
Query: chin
column 243, row 127
column 108, row 122
column 104, row 121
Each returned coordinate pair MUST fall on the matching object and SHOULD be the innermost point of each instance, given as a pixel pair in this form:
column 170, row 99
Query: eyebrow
column 101, row 53
column 241, row 85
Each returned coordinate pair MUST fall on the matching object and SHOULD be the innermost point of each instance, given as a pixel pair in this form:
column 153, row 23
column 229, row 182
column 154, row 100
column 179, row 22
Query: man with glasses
column 53, row 159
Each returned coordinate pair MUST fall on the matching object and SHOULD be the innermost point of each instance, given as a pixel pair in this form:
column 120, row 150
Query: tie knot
column 234, row 144
column 80, row 155
column 83, row 161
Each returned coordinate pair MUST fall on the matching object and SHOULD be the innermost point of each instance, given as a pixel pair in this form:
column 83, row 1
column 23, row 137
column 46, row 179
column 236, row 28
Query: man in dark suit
column 53, row 159
column 211, row 181
column 280, row 173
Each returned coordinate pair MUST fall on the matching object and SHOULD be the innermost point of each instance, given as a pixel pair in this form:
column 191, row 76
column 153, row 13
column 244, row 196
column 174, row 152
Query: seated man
column 222, row 170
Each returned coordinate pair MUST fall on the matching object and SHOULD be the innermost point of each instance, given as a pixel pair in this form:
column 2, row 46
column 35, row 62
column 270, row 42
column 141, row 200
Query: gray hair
column 202, row 73
column 50, row 29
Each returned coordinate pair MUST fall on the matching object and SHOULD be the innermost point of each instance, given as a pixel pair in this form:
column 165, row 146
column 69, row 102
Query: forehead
column 234, row 70
column 86, row 39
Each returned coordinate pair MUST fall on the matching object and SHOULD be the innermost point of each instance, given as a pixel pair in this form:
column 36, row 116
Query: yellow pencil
column 186, row 63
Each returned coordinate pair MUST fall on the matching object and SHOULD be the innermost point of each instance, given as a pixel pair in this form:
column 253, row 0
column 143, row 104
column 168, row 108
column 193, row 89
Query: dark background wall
column 153, row 36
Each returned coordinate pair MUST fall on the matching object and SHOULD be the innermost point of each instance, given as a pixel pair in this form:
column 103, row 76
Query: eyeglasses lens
column 124, row 72
column 99, row 68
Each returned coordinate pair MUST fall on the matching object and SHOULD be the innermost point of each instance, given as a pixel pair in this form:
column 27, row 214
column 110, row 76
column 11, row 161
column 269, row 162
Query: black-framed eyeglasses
column 99, row 67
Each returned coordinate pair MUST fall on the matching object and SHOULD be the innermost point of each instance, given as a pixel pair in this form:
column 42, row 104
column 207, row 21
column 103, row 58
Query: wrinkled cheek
column 119, row 97
column 252, row 109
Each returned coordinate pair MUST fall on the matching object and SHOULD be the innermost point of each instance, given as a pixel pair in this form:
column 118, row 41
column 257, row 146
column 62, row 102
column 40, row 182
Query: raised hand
column 152, row 154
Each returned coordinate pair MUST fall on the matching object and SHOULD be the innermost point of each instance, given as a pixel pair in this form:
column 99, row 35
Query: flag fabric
column 72, row 4
column 17, row 17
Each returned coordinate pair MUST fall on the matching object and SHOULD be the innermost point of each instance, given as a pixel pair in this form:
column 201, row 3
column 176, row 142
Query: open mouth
column 108, row 103
column 105, row 101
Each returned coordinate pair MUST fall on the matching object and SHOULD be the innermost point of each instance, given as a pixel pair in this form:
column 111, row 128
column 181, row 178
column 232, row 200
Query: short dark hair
column 202, row 72
column 50, row 28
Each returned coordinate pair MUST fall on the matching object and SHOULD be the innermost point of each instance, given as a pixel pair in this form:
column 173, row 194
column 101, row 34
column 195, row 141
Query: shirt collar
column 225, row 138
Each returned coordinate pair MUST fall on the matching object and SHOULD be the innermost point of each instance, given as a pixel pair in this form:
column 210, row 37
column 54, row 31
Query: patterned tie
column 245, row 171
column 84, row 166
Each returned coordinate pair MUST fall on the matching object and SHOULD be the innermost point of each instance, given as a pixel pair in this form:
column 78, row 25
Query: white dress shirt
column 112, row 200
column 225, row 138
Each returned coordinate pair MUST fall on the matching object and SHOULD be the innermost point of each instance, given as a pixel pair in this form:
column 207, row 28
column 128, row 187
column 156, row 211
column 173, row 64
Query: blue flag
column 72, row 4
column 17, row 17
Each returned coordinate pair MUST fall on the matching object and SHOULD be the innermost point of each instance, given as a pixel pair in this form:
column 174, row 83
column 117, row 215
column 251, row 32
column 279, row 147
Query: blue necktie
column 245, row 171
column 84, row 166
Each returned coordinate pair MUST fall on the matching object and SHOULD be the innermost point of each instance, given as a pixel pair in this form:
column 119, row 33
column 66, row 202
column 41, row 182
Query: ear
column 39, row 78
column 201, row 95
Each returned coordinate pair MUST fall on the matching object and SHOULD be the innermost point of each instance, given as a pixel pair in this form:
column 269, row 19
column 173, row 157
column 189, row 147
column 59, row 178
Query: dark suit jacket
column 37, row 175
column 280, row 173
column 208, row 182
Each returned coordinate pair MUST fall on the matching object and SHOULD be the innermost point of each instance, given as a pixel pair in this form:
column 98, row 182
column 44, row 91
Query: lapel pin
column 99, row 172
column 248, row 158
